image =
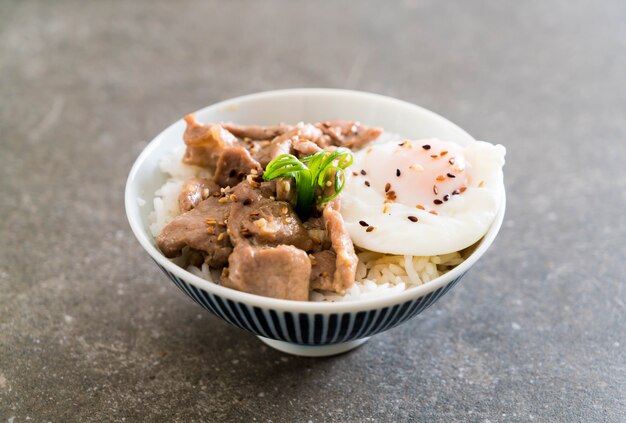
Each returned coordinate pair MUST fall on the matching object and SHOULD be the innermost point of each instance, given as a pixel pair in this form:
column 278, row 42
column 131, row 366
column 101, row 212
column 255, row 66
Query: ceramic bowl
column 302, row 328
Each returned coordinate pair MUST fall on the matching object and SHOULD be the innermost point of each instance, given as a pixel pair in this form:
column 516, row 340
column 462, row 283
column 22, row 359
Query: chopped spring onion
column 311, row 172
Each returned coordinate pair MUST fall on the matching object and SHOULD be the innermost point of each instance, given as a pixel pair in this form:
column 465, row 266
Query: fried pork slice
column 205, row 142
column 278, row 272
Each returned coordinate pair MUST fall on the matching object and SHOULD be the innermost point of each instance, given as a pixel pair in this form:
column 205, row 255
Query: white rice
column 376, row 274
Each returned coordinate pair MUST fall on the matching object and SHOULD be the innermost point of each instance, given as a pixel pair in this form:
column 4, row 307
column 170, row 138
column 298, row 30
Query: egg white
column 460, row 222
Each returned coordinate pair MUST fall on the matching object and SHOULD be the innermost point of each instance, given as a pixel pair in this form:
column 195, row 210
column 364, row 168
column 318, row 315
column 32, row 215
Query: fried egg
column 424, row 197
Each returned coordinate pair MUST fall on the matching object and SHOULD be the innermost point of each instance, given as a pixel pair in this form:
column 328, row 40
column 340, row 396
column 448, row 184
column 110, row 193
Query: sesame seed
column 205, row 193
column 387, row 187
column 449, row 175
column 434, row 156
column 272, row 198
column 426, row 147
column 328, row 183
column 288, row 219
column 284, row 210
column 481, row 184
column 223, row 200
column 363, row 223
column 437, row 201
column 355, row 174
column 416, row 167
column 451, row 160
column 254, row 171
column 363, row 172
column 435, row 190
column 455, row 192
column 441, row 178
column 398, row 172
column 221, row 236
column 419, row 206
column 233, row 198
column 443, row 153
column 412, row 218
column 386, row 208
column 462, row 189
column 433, row 212
column 446, row 197
column 367, row 183
column 370, row 229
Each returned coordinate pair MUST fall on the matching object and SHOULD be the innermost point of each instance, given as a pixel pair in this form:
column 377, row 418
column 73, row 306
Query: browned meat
column 282, row 144
column 256, row 132
column 305, row 134
column 286, row 191
column 346, row 133
column 342, row 245
column 258, row 220
column 260, row 151
column 317, row 232
column 279, row 272
column 205, row 143
column 323, row 265
column 194, row 191
column 233, row 165
column 305, row 147
column 196, row 230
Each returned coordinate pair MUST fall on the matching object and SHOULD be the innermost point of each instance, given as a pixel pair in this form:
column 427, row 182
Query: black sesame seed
column 435, row 190
column 397, row 172
column 426, row 147
column 451, row 161
column 363, row 172
column 446, row 197
column 367, row 183
column 412, row 218
column 387, row 187
column 437, row 201
column 363, row 223
column 449, row 175
column 455, row 192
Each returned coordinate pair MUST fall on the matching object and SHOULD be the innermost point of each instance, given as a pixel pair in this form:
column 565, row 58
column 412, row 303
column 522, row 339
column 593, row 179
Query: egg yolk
column 423, row 174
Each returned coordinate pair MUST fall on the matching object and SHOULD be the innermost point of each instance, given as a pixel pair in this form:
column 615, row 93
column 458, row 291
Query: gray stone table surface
column 90, row 330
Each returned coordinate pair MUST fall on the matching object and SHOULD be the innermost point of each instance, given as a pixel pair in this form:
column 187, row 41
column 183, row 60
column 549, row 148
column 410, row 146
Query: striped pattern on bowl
column 313, row 329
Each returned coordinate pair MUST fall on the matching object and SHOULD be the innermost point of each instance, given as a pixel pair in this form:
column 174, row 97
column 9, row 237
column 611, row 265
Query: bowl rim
column 132, row 212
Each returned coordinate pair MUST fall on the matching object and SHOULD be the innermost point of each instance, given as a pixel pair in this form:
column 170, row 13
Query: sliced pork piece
column 203, row 229
column 258, row 220
column 205, row 142
column 299, row 134
column 194, row 191
column 348, row 133
column 323, row 266
column 233, row 165
column 305, row 147
column 342, row 245
column 279, row 272
column 256, row 132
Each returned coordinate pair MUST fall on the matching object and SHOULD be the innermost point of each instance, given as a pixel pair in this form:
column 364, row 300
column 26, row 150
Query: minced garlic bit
column 417, row 168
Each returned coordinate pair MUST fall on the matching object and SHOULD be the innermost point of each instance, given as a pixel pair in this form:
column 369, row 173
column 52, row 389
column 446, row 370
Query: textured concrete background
column 91, row 331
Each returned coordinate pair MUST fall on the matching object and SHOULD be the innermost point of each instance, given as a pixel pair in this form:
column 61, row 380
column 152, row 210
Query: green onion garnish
column 310, row 172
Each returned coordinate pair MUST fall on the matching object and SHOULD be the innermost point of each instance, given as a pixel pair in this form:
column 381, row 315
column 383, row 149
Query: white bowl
column 303, row 328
